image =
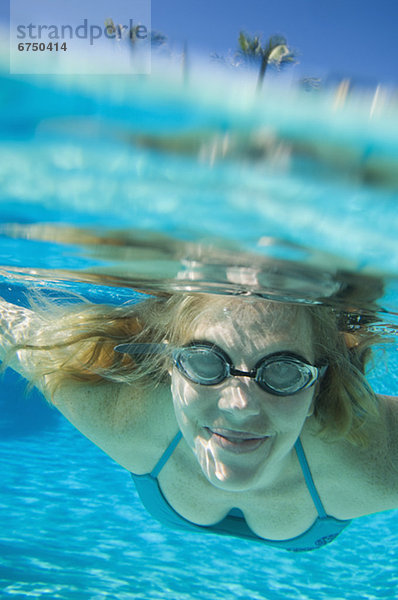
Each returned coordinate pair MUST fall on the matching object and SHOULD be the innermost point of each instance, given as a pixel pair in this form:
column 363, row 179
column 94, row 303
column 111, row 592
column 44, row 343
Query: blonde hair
column 77, row 345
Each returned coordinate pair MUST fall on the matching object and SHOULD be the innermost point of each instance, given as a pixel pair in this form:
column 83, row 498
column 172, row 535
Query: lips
column 237, row 435
column 237, row 441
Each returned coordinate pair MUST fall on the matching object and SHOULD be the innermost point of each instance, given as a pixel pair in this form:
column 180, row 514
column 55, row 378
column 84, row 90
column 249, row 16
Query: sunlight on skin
column 247, row 331
column 208, row 461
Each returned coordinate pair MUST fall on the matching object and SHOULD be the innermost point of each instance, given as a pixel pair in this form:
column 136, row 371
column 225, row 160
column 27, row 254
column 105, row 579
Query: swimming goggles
column 204, row 363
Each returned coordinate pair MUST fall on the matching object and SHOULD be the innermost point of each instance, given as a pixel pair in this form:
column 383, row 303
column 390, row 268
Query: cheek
column 188, row 399
column 291, row 411
column 177, row 390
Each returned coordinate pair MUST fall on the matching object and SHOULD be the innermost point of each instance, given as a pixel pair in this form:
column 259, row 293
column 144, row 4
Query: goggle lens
column 282, row 375
column 202, row 365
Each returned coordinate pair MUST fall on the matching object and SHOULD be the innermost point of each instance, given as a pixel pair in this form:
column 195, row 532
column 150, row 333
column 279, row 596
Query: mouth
column 237, row 441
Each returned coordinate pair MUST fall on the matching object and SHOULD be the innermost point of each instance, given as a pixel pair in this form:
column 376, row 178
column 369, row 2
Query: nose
column 241, row 401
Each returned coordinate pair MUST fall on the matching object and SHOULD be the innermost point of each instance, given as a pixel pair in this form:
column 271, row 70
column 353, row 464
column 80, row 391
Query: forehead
column 255, row 325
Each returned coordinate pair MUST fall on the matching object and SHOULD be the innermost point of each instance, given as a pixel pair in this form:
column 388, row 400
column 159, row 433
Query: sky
column 349, row 38
column 336, row 38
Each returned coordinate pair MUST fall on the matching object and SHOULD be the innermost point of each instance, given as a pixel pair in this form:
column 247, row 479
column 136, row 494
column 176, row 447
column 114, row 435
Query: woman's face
column 239, row 433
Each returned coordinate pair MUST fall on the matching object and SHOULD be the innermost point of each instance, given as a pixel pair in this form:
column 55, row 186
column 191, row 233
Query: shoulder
column 354, row 481
column 389, row 405
column 131, row 425
column 387, row 435
column 377, row 463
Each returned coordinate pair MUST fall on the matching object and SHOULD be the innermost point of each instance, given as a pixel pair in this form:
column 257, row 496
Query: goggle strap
column 137, row 349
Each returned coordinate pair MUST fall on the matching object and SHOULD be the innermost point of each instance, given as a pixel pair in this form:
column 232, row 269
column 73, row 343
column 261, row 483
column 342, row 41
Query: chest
column 349, row 484
column 284, row 511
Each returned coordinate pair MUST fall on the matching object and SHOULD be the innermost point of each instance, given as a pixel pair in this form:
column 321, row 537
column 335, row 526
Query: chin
column 227, row 479
column 224, row 474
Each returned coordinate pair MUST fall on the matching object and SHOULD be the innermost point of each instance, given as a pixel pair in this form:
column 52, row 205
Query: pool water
column 155, row 172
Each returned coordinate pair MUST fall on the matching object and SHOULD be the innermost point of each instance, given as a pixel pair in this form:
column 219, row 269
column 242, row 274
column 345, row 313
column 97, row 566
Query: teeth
column 236, row 440
column 239, row 437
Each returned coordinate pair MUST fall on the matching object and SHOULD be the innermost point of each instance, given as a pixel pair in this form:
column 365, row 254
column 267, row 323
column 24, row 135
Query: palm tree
column 184, row 63
column 275, row 51
column 158, row 39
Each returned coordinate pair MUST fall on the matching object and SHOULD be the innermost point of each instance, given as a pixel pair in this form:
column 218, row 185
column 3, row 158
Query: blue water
column 72, row 526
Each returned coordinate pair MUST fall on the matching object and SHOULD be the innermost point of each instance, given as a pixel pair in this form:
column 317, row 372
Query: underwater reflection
column 156, row 263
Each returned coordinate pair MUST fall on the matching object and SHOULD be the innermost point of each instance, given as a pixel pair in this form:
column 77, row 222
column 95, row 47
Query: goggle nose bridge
column 237, row 373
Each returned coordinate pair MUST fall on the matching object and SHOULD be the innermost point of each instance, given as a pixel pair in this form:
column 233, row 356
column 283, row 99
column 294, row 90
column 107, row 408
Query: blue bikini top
column 322, row 531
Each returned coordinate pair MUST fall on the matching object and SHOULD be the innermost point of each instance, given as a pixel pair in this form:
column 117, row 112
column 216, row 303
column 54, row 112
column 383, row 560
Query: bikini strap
column 308, row 479
column 166, row 455
column 300, row 455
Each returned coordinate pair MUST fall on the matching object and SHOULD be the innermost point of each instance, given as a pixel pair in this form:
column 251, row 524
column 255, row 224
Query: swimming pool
column 290, row 178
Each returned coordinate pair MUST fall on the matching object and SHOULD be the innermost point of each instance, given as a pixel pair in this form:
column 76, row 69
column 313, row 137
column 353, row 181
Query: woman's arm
column 389, row 406
column 130, row 424
column 381, row 458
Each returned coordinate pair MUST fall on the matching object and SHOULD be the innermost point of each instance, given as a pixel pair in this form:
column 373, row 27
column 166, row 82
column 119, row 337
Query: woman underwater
column 236, row 415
